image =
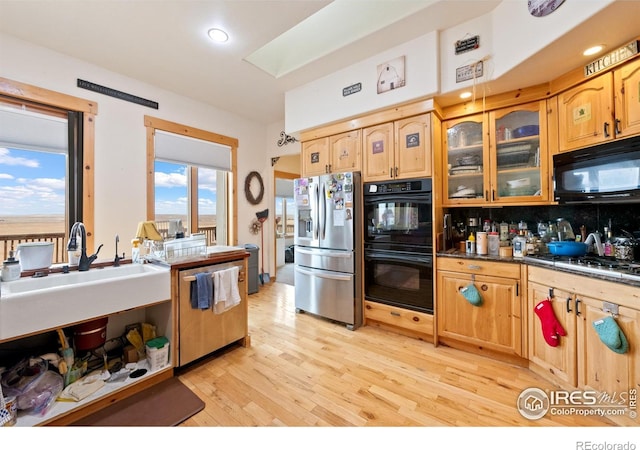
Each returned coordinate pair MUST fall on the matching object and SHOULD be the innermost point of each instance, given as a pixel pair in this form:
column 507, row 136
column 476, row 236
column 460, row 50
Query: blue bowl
column 527, row 130
column 567, row 248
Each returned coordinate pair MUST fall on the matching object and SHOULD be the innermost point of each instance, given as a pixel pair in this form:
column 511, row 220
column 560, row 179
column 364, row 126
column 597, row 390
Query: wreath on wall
column 251, row 198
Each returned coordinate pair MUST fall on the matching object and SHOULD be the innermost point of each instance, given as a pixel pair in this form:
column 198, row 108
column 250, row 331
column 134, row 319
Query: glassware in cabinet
column 465, row 160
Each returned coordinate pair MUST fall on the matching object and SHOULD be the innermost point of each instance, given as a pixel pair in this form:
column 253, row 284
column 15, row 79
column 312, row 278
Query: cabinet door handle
column 486, row 195
column 578, row 301
column 493, row 194
column 390, row 172
column 606, row 129
column 617, row 129
column 396, row 171
column 569, row 304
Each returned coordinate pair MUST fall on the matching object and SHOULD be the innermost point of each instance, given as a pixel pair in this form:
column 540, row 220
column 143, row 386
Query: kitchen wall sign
column 470, row 71
column 391, row 75
column 614, row 57
column 116, row 94
column 354, row 88
column 466, row 45
column 541, row 8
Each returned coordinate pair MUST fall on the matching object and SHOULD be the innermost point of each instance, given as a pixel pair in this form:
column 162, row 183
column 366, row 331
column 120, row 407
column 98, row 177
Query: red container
column 90, row 335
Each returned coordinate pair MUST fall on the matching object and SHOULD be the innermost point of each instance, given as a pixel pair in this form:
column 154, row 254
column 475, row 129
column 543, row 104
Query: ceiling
column 164, row 43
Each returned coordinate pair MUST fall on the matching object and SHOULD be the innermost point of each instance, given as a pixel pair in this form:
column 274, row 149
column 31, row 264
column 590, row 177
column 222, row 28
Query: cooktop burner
column 591, row 264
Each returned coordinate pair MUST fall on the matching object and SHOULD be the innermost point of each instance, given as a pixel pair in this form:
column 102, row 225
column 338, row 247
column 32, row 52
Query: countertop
column 458, row 254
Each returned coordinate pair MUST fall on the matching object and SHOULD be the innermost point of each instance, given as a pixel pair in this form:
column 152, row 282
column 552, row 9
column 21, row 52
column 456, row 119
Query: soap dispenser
column 10, row 268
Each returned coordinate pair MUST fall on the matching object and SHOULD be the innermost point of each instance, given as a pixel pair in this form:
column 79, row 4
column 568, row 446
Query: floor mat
column 165, row 404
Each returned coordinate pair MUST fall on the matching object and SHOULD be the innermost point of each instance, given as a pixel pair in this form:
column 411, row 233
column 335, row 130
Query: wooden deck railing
column 209, row 231
column 11, row 241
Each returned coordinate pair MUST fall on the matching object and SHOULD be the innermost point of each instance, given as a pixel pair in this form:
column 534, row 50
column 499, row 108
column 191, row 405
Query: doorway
column 284, row 207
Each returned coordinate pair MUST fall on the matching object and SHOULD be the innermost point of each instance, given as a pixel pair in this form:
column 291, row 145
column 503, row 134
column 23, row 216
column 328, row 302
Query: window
column 192, row 175
column 285, row 211
column 42, row 181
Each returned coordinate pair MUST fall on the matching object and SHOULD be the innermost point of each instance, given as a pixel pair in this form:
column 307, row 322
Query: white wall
column 321, row 101
column 120, row 148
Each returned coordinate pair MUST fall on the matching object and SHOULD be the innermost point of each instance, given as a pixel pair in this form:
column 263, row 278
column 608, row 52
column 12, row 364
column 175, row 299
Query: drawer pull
column 474, row 267
column 416, row 319
column 393, row 313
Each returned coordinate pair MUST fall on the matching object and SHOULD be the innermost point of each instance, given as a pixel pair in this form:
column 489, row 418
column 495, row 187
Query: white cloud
column 6, row 176
column 6, row 158
column 164, row 179
column 44, row 183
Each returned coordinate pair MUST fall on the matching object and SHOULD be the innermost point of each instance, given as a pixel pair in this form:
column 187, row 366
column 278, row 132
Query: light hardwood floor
column 301, row 370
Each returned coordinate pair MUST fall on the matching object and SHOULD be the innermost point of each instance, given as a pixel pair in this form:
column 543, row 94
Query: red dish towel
column 551, row 328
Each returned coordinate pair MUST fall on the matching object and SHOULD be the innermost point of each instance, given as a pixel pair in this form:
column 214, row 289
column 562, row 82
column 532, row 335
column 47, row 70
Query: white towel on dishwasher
column 225, row 293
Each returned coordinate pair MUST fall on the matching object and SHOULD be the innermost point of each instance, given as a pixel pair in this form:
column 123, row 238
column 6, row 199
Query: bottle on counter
column 519, row 246
column 608, row 244
column 471, row 244
column 504, row 231
column 135, row 251
column 486, row 225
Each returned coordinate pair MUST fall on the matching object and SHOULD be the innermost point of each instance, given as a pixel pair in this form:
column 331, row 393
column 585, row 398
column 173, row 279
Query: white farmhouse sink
column 30, row 305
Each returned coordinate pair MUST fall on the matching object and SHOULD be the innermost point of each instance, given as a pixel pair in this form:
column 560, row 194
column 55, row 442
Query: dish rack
column 185, row 248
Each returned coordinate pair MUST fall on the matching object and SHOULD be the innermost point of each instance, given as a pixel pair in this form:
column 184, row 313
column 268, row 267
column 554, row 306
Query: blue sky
column 33, row 182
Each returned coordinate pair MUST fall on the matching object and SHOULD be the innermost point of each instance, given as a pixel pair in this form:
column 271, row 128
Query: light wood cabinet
column 403, row 321
column 496, row 325
column 602, row 109
column 500, row 157
column 581, row 360
column 398, row 150
column 332, row 154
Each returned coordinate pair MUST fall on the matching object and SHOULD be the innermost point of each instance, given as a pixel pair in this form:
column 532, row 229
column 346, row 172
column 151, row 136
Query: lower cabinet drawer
column 414, row 321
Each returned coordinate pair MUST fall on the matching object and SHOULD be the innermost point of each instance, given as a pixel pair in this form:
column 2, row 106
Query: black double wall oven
column 398, row 250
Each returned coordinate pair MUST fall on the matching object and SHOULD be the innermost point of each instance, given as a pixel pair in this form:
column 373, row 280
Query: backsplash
column 593, row 217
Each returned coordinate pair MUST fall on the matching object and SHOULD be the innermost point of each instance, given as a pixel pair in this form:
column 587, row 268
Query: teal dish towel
column 611, row 335
column 471, row 294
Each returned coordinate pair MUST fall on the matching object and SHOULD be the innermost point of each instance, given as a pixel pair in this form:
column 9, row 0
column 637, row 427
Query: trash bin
column 252, row 263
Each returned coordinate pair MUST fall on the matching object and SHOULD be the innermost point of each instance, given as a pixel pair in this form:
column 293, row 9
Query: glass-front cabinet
column 467, row 160
column 508, row 164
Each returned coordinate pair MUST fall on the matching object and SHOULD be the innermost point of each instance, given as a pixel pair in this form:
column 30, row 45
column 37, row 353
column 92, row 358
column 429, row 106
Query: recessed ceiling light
column 466, row 94
column 593, row 50
column 217, row 35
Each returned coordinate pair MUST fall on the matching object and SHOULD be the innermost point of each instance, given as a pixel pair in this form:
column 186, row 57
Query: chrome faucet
column 594, row 239
column 116, row 260
column 85, row 261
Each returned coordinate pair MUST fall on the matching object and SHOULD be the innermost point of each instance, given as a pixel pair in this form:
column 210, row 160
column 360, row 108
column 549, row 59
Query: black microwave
column 605, row 173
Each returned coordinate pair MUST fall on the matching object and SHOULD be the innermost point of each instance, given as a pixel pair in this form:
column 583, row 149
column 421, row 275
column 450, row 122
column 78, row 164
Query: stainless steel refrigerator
column 328, row 247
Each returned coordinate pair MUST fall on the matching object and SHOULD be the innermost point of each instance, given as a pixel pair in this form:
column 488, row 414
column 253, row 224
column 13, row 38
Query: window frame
column 152, row 124
column 41, row 98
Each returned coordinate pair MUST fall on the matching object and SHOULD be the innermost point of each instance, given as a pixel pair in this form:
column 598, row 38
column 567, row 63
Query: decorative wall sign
column 354, row 88
column 377, row 147
column 285, row 139
column 315, row 157
column 465, row 73
column 466, row 45
column 614, row 57
column 541, row 8
column 391, row 75
column 116, row 94
column 412, row 140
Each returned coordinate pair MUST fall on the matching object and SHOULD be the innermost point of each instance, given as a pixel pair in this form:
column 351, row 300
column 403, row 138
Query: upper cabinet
column 604, row 108
column 338, row 153
column 499, row 157
column 398, row 150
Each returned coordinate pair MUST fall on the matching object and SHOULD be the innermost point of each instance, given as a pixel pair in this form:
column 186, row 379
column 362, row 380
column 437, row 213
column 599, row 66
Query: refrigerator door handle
column 323, row 205
column 331, row 254
column 316, row 221
column 329, row 276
